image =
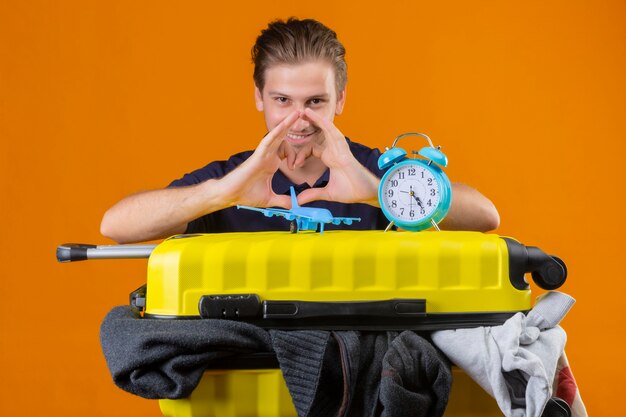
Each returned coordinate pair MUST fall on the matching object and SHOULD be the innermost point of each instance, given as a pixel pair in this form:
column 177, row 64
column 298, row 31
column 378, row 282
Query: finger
column 280, row 201
column 290, row 154
column 318, row 150
column 326, row 125
column 277, row 134
column 299, row 160
column 313, row 194
column 302, row 156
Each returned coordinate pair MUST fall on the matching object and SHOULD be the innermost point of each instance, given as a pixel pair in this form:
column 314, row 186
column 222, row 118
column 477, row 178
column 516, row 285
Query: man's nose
column 302, row 123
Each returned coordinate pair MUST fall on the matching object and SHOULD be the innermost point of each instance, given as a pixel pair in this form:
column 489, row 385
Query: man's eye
column 315, row 101
column 282, row 99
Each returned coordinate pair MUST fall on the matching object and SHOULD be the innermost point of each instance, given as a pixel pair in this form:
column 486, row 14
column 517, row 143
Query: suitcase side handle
column 250, row 306
column 548, row 272
column 72, row 252
column 397, row 307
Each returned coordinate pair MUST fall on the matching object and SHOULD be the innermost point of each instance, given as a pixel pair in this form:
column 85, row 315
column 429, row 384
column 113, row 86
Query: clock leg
column 389, row 227
column 435, row 225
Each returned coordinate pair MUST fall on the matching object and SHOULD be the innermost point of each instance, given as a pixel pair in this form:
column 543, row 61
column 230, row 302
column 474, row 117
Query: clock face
column 410, row 193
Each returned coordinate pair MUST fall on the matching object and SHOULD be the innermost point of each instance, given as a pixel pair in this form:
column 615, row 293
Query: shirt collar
column 281, row 184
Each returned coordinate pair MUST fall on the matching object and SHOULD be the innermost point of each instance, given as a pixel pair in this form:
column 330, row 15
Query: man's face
column 296, row 87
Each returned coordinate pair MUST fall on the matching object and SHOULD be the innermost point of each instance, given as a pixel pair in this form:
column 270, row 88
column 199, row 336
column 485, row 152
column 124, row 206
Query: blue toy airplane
column 304, row 218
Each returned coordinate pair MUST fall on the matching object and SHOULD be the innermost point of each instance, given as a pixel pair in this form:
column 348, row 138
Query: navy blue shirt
column 235, row 220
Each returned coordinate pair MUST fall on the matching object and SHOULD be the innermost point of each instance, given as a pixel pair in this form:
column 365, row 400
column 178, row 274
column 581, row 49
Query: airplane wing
column 269, row 212
column 345, row 220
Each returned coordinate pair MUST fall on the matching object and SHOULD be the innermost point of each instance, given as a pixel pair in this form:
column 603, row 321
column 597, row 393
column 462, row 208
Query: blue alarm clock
column 414, row 193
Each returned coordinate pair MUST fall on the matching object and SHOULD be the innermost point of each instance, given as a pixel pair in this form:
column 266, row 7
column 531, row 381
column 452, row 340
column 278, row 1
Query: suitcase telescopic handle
column 548, row 271
column 72, row 252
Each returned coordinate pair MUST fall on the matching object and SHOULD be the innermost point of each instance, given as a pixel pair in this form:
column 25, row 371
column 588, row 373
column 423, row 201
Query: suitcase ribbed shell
column 453, row 271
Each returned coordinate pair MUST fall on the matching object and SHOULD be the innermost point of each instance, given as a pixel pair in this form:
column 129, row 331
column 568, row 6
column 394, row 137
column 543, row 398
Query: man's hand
column 156, row 214
column 350, row 182
column 251, row 183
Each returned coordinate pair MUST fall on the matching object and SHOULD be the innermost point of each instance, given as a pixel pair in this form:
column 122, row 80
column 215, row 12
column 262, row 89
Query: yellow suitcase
column 397, row 280
column 367, row 280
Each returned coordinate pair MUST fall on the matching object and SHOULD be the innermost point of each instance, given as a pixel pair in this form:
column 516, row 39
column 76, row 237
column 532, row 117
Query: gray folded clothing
column 166, row 358
column 343, row 373
column 416, row 378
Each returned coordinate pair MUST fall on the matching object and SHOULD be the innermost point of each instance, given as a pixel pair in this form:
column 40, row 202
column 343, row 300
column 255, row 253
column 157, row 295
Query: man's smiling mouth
column 299, row 137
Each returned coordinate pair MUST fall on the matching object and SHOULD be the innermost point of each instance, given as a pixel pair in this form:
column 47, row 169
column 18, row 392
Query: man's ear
column 341, row 100
column 258, row 98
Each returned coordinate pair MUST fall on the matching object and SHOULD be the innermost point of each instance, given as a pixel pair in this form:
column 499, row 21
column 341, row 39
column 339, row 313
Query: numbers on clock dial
column 411, row 193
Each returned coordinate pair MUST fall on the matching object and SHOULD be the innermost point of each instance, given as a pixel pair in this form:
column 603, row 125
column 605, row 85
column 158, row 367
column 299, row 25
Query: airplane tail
column 294, row 199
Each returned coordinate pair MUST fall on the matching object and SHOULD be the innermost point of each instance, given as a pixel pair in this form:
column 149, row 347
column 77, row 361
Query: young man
column 300, row 85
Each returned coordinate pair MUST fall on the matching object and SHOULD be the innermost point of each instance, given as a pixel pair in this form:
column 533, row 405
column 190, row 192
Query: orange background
column 102, row 99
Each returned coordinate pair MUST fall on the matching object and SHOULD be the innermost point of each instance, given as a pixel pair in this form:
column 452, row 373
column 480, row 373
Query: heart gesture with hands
column 350, row 182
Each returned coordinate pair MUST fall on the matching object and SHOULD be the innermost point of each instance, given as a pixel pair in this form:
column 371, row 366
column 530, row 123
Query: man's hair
column 296, row 42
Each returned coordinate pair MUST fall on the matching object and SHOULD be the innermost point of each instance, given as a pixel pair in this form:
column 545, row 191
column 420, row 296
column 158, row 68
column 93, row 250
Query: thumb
column 279, row 201
column 313, row 194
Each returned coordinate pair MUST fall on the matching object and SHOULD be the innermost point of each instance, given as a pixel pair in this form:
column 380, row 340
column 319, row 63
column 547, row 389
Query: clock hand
column 412, row 194
column 419, row 202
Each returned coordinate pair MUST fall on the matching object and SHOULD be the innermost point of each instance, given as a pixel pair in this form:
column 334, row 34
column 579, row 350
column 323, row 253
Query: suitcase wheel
column 552, row 273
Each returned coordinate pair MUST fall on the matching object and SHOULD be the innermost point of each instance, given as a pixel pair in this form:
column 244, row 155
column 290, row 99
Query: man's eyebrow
column 278, row 93
column 324, row 96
